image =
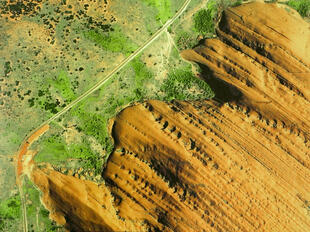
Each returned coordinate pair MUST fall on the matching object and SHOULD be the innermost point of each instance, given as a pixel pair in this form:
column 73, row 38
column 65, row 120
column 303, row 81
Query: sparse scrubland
column 163, row 8
column 114, row 41
column 38, row 219
column 183, row 85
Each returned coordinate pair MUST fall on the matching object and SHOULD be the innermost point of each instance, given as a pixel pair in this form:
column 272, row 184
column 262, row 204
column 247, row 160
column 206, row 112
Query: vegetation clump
column 60, row 86
column 56, row 150
column 181, row 84
column 185, row 40
column 205, row 19
column 301, row 6
column 142, row 74
column 10, row 210
column 163, row 7
column 63, row 85
column 113, row 41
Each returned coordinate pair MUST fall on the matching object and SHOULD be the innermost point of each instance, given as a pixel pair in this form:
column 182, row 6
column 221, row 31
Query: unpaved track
column 19, row 168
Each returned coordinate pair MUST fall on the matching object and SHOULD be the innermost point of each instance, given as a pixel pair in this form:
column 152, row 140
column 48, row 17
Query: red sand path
column 24, row 148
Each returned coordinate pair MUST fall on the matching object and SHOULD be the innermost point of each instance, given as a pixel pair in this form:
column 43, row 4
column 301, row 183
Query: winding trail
column 40, row 130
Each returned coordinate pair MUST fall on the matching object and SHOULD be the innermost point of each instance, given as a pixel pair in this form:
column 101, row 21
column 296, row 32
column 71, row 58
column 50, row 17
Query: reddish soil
column 24, row 149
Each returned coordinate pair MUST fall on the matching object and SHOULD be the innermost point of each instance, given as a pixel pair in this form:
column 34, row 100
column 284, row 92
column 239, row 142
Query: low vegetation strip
column 163, row 8
column 183, row 85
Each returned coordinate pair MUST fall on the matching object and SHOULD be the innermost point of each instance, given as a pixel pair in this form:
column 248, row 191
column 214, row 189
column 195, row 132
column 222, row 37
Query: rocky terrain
column 239, row 162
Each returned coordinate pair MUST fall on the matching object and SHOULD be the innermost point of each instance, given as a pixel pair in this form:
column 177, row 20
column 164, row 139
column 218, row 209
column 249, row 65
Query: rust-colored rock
column 236, row 163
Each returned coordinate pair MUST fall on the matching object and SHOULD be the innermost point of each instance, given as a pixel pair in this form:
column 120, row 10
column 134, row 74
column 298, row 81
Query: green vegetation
column 7, row 68
column 205, row 19
column 113, row 41
column 89, row 158
column 163, row 7
column 63, row 86
column 10, row 213
column 93, row 125
column 142, row 74
column 236, row 3
column 183, row 85
column 186, row 40
column 302, row 6
column 37, row 215
column 92, row 121
column 55, row 150
column 44, row 101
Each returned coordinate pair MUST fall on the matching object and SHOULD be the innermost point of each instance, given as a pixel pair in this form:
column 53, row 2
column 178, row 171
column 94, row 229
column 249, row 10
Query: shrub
column 186, row 40
column 183, row 85
column 10, row 210
column 113, row 41
column 163, row 7
column 204, row 21
column 302, row 6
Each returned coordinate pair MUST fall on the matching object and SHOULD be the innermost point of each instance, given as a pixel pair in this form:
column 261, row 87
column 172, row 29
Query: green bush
column 302, row 6
column 236, row 3
column 53, row 150
column 183, row 85
column 63, row 86
column 204, row 21
column 90, row 160
column 113, row 41
column 163, row 7
column 142, row 73
column 10, row 210
column 186, row 40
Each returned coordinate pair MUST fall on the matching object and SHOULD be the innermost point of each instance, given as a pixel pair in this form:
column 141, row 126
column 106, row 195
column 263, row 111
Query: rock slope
column 239, row 162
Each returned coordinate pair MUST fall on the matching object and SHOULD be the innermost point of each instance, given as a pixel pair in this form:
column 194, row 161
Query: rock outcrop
column 239, row 162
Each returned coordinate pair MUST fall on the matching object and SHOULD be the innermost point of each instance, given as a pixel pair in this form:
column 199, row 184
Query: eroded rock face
column 265, row 56
column 239, row 162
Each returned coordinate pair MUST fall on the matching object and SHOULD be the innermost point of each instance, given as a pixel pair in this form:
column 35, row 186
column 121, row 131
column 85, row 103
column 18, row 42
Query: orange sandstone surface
column 239, row 162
